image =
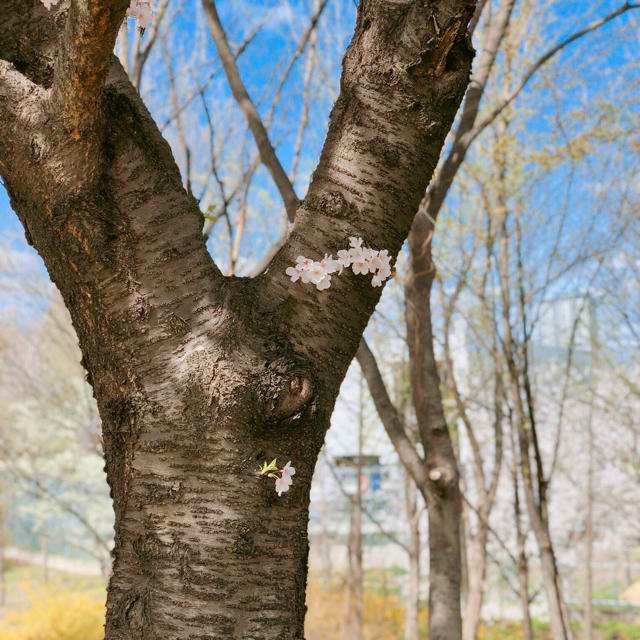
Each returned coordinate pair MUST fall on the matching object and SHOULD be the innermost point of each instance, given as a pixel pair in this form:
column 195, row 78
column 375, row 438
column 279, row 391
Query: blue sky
column 263, row 60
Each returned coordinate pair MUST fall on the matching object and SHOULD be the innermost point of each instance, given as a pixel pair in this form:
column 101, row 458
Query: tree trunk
column 523, row 419
column 589, row 530
column 353, row 626
column 200, row 378
column 523, row 563
column 477, row 570
column 523, row 591
column 442, row 491
column 412, row 604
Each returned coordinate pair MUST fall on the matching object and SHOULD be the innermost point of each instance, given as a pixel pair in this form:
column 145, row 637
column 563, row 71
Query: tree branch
column 15, row 89
column 390, row 417
column 302, row 43
column 542, row 60
column 83, row 59
column 267, row 152
column 442, row 182
column 388, row 126
column 142, row 53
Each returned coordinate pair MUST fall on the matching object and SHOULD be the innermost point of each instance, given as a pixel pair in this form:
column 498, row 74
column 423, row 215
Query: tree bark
column 200, row 378
column 477, row 570
column 353, row 626
column 443, row 492
column 412, row 604
column 521, row 539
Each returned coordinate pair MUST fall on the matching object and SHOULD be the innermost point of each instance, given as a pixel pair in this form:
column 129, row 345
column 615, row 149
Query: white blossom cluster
column 142, row 12
column 362, row 260
column 285, row 478
column 139, row 9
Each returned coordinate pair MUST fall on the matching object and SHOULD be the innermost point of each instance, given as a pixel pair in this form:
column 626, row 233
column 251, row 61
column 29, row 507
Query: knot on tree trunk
column 288, row 390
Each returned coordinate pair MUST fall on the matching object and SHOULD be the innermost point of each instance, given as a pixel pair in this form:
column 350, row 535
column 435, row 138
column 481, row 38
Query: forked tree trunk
column 200, row 378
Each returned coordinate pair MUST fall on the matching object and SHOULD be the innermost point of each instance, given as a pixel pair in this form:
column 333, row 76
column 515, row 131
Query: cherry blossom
column 344, row 259
column 294, row 272
column 142, row 12
column 288, row 471
column 284, row 480
column 282, row 485
column 362, row 260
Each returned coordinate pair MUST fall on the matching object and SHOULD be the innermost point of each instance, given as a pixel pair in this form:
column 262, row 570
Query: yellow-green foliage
column 56, row 615
column 511, row 631
column 383, row 613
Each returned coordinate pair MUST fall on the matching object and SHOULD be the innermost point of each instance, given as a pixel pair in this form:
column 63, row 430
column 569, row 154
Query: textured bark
column 443, row 498
column 199, row 377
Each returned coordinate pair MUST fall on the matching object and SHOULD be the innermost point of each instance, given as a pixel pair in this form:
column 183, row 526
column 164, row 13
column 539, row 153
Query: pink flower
column 325, row 283
column 329, row 264
column 141, row 11
column 361, row 259
column 288, row 470
column 344, row 259
column 282, row 485
column 286, row 480
column 314, row 273
column 360, row 265
column 294, row 273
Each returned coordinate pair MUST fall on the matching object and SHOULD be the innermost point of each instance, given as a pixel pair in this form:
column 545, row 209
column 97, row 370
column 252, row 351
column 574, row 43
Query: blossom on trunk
column 284, row 480
column 361, row 259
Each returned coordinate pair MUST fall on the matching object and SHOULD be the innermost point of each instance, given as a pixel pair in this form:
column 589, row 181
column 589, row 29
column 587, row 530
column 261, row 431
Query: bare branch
column 307, row 36
column 267, row 152
column 182, row 138
column 542, row 60
column 379, row 526
column 442, row 182
column 308, row 71
column 142, row 53
column 390, row 417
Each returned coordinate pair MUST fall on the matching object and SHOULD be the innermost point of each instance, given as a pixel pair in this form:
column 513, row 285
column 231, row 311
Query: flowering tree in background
column 201, row 378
